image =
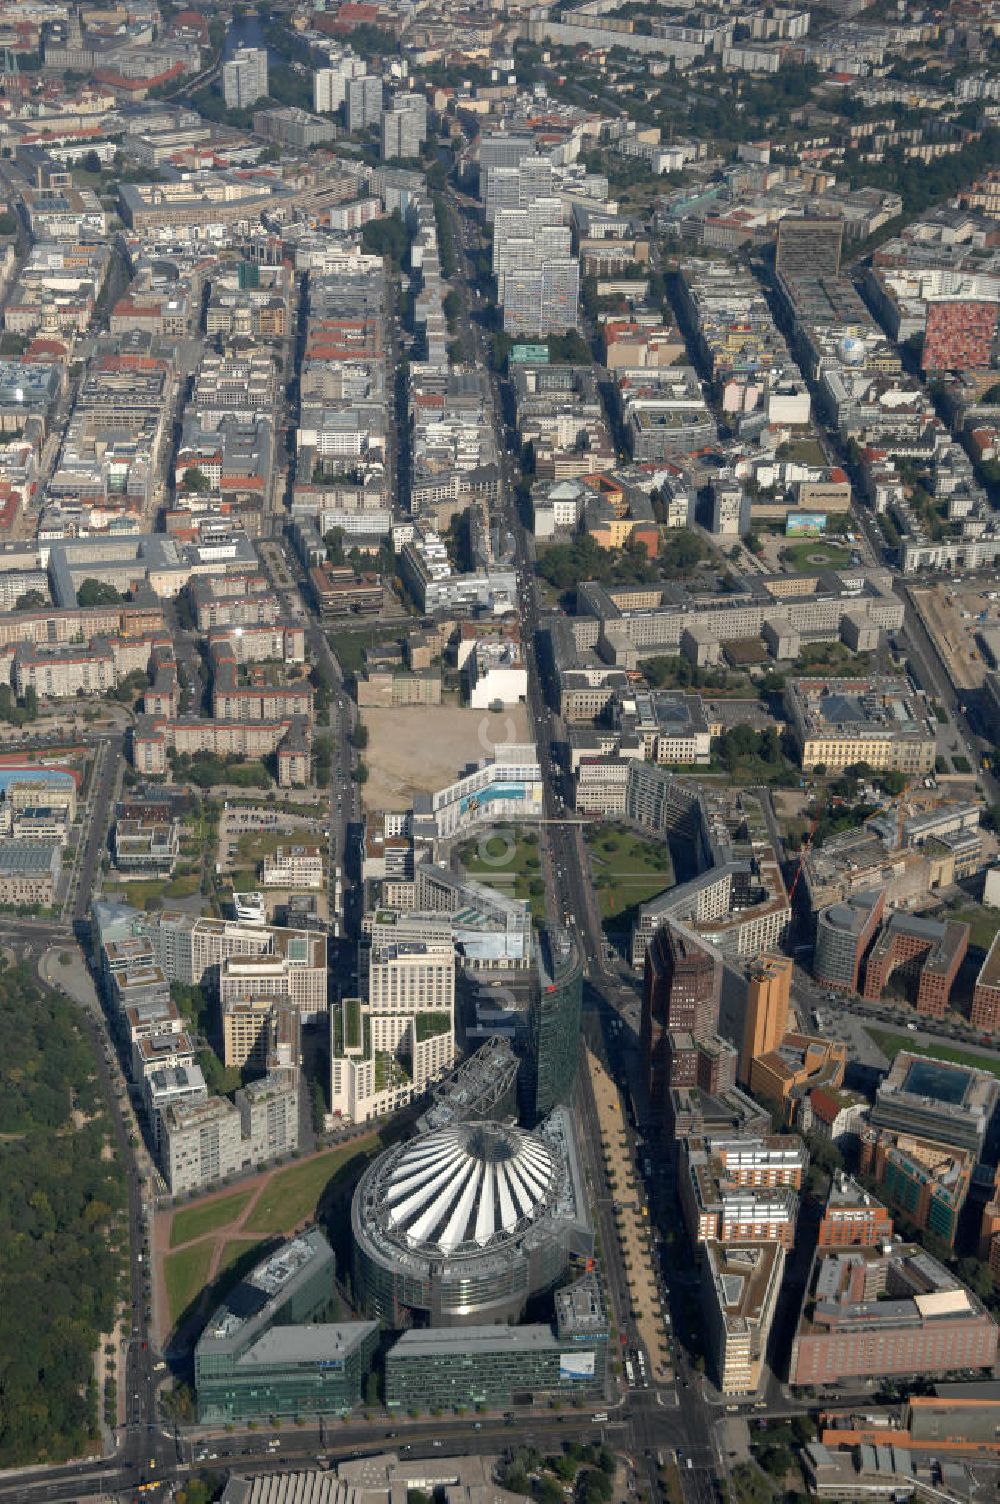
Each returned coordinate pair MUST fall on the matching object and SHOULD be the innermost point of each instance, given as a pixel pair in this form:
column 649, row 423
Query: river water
column 247, row 31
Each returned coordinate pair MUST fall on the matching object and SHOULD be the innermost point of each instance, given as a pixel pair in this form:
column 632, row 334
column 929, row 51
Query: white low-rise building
column 506, row 786
column 991, row 892
column 497, row 674
column 293, row 867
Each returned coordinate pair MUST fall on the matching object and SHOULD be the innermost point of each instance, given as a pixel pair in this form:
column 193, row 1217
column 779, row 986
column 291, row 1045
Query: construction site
column 963, row 620
column 916, row 849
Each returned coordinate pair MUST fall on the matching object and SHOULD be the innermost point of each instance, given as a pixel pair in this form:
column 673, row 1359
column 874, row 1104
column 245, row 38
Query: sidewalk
column 72, row 978
column 631, row 1216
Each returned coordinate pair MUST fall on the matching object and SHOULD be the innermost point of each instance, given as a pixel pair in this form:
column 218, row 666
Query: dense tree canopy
column 97, row 593
column 565, row 565
column 387, row 237
column 31, row 600
column 45, row 1062
column 60, row 1225
column 924, row 184
column 207, row 770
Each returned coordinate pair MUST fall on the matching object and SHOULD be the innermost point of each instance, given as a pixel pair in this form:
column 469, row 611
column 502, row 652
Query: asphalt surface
column 647, row 1423
column 643, row 1422
column 661, row 1420
column 345, row 797
column 932, row 673
column 923, row 659
column 106, row 773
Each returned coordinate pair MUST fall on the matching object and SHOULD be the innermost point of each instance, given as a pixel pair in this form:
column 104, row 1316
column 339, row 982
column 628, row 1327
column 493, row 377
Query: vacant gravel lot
column 423, row 748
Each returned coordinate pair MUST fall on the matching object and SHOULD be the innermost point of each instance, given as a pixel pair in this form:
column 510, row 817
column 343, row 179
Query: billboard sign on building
column 576, row 1365
column 512, row 792
column 805, row 524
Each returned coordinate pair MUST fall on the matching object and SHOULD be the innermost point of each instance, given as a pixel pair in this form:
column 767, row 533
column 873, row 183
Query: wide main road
column 638, row 1425
column 248, row 1452
column 644, row 1422
column 107, row 768
column 680, row 1422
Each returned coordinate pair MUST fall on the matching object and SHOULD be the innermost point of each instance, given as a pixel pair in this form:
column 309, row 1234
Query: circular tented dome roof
column 467, row 1186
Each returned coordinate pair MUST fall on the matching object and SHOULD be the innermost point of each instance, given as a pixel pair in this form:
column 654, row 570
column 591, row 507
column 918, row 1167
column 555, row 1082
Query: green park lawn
column 349, row 647
column 812, row 553
column 236, row 1251
column 254, row 845
column 890, row 1044
column 627, row 869
column 509, row 859
column 983, row 924
column 806, row 451
column 185, row 1274
column 195, row 1221
column 140, row 894
column 292, row 1194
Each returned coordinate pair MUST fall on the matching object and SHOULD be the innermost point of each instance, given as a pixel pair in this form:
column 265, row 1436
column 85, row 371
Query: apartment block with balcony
column 146, row 843
column 268, row 957
column 389, row 1048
column 294, row 867
column 740, row 1191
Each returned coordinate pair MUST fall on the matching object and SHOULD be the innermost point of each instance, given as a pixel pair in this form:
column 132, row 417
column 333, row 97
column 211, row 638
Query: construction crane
column 900, row 809
column 802, row 856
column 886, row 805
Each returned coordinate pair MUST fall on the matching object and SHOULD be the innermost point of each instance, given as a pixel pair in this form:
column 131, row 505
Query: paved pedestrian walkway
column 631, row 1220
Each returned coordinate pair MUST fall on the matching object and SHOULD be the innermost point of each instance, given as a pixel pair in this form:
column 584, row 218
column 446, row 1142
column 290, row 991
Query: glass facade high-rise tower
column 554, row 1016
